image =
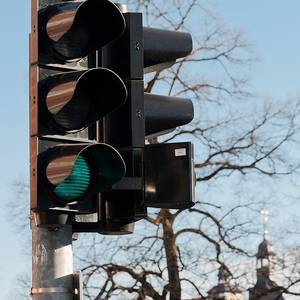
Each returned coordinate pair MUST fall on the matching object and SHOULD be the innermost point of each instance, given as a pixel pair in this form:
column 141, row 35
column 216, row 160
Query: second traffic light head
column 72, row 101
column 73, row 30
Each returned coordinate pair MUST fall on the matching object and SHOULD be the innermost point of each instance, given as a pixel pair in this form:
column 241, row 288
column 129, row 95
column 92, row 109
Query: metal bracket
column 77, row 292
column 38, row 291
column 51, row 220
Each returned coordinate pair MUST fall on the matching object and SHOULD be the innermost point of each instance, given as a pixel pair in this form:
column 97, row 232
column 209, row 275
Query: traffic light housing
column 69, row 95
column 90, row 117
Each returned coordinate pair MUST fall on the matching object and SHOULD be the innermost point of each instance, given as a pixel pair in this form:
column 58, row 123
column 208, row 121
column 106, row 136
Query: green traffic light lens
column 75, row 185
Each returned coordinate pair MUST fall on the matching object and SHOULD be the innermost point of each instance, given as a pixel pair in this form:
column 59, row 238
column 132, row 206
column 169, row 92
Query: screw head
column 139, row 114
column 137, row 46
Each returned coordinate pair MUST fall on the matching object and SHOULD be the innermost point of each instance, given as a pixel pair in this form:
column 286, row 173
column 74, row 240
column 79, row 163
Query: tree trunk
column 171, row 255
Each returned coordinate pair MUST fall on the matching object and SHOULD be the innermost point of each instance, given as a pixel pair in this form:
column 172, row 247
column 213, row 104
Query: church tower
column 224, row 290
column 265, row 288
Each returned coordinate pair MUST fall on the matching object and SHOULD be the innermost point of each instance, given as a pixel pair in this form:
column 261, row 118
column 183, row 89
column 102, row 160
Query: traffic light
column 90, row 117
column 69, row 95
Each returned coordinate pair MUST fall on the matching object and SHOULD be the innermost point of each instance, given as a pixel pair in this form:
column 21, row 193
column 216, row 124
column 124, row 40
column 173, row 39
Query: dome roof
column 224, row 288
column 263, row 287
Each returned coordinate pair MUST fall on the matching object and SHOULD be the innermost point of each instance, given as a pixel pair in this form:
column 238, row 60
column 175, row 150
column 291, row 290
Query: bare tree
column 175, row 253
column 239, row 142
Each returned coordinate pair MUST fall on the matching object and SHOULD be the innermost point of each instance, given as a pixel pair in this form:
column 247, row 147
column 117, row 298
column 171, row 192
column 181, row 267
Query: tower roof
column 265, row 283
column 265, row 286
column 265, row 250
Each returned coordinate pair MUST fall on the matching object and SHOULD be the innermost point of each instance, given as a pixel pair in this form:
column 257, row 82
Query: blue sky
column 271, row 26
column 14, row 28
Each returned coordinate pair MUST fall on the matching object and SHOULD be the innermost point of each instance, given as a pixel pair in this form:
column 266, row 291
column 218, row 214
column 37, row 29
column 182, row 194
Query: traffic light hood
column 75, row 170
column 163, row 113
column 72, row 28
column 72, row 101
column 164, row 47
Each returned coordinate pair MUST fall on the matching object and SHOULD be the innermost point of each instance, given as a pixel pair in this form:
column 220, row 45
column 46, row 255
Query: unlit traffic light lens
column 66, row 105
column 72, row 101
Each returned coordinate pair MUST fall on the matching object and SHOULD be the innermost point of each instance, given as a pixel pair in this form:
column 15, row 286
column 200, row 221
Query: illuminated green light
column 77, row 183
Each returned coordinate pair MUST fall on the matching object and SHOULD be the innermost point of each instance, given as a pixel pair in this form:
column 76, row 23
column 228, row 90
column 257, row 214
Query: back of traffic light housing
column 149, row 115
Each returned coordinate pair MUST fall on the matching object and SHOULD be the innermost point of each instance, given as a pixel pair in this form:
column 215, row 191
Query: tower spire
column 265, row 218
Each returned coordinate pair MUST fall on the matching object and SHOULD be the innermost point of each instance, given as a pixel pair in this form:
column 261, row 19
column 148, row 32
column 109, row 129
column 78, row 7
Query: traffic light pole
column 52, row 257
column 52, row 262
